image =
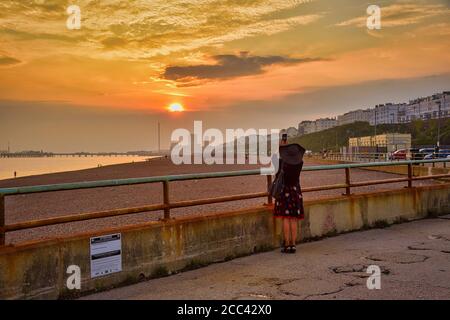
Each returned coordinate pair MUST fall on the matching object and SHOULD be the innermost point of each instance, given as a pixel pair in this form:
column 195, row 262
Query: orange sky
column 213, row 55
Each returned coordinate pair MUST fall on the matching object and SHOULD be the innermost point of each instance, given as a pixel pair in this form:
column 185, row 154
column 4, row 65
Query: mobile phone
column 284, row 137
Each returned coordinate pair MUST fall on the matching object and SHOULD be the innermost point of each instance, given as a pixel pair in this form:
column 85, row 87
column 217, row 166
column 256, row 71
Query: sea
column 41, row 165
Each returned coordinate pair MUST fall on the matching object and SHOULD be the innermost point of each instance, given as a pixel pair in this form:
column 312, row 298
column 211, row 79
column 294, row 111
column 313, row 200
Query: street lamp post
column 376, row 144
column 375, row 117
column 439, row 126
column 394, row 142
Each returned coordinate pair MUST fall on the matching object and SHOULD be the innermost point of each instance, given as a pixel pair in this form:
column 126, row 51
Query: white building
column 386, row 113
column 426, row 108
column 389, row 113
column 325, row 123
column 354, row 116
column 306, row 127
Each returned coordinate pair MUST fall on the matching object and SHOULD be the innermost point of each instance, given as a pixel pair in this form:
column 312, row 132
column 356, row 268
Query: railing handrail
column 369, row 164
column 191, row 176
column 166, row 205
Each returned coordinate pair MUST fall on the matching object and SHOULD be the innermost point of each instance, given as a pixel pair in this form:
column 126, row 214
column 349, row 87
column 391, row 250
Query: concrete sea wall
column 38, row 270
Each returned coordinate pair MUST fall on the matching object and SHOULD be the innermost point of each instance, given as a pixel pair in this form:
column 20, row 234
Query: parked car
column 427, row 150
column 414, row 154
column 424, row 152
column 442, row 154
column 398, row 155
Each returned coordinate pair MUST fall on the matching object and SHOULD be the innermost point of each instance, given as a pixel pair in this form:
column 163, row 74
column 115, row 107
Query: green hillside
column 422, row 132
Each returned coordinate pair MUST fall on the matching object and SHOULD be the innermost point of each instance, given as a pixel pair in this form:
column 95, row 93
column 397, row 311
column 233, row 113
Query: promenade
column 48, row 205
column 414, row 259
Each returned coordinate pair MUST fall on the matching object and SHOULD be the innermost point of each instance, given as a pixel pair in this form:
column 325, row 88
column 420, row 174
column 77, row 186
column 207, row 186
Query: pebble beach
column 21, row 208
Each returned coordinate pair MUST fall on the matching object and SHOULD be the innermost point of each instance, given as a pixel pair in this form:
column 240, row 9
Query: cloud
column 147, row 29
column 397, row 15
column 26, row 36
column 226, row 67
column 8, row 61
column 113, row 42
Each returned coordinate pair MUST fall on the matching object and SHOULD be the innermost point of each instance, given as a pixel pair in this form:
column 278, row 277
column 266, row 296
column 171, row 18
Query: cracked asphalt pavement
column 414, row 259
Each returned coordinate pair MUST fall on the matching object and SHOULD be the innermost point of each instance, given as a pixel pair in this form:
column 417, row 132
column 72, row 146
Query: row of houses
column 390, row 113
column 306, row 127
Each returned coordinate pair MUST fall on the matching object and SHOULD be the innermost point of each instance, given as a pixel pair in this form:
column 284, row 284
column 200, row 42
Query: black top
column 292, row 153
column 291, row 173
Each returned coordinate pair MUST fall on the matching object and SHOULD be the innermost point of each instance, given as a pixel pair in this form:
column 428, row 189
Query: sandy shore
column 38, row 206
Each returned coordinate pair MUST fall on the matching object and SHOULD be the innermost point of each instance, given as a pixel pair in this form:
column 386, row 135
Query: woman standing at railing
column 288, row 197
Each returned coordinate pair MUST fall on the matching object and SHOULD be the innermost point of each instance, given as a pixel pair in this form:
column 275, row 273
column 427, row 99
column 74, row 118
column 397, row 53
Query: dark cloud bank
column 228, row 66
column 7, row 61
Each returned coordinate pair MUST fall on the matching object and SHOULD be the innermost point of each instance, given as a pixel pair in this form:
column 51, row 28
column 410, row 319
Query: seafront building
column 306, row 127
column 325, row 123
column 386, row 113
column 431, row 107
column 426, row 108
column 389, row 142
column 354, row 116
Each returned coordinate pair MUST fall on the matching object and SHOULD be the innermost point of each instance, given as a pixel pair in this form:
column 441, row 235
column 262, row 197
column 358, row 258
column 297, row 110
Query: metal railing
column 373, row 157
column 167, row 205
column 357, row 157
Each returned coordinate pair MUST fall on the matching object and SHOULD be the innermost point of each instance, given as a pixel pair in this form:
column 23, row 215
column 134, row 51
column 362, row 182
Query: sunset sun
column 176, row 107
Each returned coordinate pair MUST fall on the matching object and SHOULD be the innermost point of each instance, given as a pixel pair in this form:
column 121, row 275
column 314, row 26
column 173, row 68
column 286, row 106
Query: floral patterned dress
column 289, row 204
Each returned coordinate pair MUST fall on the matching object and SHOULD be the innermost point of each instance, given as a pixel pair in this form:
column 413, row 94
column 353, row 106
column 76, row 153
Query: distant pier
column 35, row 154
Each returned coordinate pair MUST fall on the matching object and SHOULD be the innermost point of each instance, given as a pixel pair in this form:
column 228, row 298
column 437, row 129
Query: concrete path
column 414, row 259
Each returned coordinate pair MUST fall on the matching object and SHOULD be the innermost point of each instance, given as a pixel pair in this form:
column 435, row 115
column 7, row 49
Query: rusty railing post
column 269, row 183
column 410, row 175
column 347, row 181
column 166, row 200
column 2, row 220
